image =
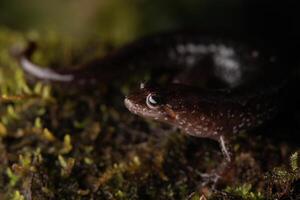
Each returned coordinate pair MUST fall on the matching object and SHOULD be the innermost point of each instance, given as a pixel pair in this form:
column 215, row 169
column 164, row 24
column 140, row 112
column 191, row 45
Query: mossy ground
column 61, row 142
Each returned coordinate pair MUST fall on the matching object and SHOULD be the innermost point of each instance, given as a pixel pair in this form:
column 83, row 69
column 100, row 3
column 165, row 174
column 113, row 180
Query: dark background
column 118, row 21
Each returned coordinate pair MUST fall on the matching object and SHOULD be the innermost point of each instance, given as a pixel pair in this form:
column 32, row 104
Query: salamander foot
column 210, row 179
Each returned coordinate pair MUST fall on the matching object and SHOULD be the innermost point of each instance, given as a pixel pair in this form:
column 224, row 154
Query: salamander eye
column 153, row 101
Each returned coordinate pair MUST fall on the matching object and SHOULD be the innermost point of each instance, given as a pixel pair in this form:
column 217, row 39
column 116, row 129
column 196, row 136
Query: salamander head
column 154, row 102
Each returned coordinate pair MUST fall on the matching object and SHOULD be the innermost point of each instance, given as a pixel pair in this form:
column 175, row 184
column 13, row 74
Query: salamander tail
column 36, row 71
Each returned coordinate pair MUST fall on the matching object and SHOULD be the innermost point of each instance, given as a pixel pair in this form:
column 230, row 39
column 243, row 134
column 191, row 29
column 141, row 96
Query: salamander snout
column 133, row 107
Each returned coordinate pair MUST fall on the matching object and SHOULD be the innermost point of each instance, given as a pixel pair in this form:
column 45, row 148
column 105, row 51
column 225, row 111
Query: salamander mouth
column 139, row 109
column 133, row 107
column 129, row 105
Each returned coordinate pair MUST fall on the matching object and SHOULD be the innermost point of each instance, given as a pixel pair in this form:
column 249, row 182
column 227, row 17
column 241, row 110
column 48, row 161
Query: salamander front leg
column 217, row 174
column 225, row 148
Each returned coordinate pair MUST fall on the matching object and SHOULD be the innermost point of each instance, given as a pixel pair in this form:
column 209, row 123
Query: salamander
column 212, row 92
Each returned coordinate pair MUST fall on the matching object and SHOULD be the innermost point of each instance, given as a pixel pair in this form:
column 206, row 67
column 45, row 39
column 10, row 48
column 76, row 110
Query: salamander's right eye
column 153, row 101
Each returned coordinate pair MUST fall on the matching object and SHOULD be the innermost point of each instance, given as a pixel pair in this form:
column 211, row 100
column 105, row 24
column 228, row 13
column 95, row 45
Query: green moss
column 17, row 196
column 13, row 178
column 295, row 161
column 245, row 192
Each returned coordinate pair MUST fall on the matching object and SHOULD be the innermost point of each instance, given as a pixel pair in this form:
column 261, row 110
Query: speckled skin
column 215, row 114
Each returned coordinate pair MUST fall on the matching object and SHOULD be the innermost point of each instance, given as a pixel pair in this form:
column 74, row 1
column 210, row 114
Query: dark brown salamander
column 188, row 57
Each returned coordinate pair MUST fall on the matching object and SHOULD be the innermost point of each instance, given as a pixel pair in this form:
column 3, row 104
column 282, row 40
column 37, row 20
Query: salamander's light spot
column 241, row 125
